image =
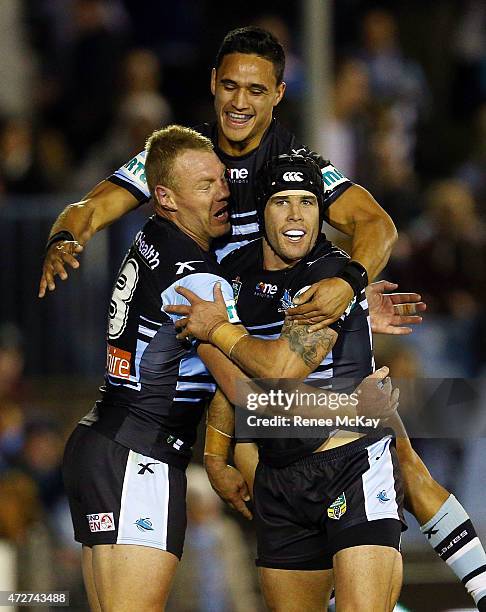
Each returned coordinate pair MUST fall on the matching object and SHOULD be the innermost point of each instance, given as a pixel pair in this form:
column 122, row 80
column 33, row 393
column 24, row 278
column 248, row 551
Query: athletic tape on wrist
column 217, row 442
column 59, row 237
column 226, row 336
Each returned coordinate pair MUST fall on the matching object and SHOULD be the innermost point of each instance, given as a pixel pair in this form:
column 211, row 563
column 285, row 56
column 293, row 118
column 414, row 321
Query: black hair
column 254, row 41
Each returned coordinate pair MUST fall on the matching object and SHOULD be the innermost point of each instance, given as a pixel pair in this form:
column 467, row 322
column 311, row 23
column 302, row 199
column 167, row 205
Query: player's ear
column 164, row 197
column 213, row 81
column 280, row 92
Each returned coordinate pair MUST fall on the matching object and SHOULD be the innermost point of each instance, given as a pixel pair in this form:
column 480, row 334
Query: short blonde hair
column 164, row 146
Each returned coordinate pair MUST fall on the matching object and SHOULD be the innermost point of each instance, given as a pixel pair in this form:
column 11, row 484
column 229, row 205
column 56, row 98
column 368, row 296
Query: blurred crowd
column 84, row 82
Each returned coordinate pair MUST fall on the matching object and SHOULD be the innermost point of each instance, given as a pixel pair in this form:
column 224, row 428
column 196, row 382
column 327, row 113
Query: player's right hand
column 58, row 255
column 229, row 484
column 377, row 397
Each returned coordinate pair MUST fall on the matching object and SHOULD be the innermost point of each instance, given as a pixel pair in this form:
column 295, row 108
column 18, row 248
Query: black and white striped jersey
column 156, row 387
column 241, row 173
column 261, row 299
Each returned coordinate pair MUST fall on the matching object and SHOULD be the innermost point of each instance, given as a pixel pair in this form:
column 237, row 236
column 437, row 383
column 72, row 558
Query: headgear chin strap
column 288, row 172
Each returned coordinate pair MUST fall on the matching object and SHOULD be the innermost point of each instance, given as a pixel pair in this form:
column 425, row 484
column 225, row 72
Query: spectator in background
column 473, row 170
column 347, row 134
column 17, row 63
column 19, row 507
column 399, row 88
column 216, row 573
column 448, row 257
column 140, row 110
column 31, row 160
column 88, row 93
column 443, row 255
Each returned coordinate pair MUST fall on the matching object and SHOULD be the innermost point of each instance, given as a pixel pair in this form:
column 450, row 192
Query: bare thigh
column 125, row 577
column 367, row 578
column 296, row 590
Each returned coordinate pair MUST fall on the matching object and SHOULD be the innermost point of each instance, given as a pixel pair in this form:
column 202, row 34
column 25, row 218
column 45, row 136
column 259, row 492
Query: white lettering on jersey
column 147, row 251
column 237, row 174
column 133, row 173
column 185, row 265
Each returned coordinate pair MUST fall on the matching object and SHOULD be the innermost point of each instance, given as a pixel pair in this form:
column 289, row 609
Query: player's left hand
column 200, row 316
column 322, row 304
column 391, row 313
column 229, row 484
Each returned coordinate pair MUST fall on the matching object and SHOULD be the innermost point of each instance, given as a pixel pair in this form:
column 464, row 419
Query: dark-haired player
column 327, row 507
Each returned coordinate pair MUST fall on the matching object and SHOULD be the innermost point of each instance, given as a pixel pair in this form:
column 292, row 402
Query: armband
column 59, row 237
column 355, row 275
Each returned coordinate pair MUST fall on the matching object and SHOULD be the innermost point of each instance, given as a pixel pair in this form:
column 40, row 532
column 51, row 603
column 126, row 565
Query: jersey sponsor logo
column 118, row 362
column 144, row 524
column 332, row 178
column 266, row 290
column 382, row 497
column 337, row 508
column 101, row 522
column 293, row 177
column 145, row 467
column 147, row 251
column 237, row 175
column 185, row 266
column 137, row 167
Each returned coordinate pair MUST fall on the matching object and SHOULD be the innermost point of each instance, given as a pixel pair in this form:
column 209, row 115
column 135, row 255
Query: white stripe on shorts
column 379, row 482
column 144, row 509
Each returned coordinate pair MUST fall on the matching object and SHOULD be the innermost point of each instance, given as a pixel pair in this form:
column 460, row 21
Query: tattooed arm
column 295, row 354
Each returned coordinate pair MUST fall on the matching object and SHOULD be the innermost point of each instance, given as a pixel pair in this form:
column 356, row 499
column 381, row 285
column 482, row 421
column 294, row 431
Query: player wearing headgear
column 284, row 172
column 317, row 507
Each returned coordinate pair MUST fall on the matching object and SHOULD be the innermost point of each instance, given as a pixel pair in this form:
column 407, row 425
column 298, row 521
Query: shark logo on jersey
column 285, row 301
column 383, row 497
column 144, row 524
column 186, row 266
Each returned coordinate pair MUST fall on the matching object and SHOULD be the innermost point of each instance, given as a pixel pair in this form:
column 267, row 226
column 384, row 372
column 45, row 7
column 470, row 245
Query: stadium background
column 83, row 83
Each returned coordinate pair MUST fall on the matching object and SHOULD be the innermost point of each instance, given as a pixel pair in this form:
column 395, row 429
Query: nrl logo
column 337, row 508
column 236, row 284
